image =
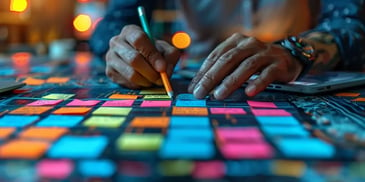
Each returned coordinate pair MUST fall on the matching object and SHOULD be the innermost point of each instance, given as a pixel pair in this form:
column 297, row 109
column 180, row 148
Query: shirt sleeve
column 119, row 13
column 345, row 20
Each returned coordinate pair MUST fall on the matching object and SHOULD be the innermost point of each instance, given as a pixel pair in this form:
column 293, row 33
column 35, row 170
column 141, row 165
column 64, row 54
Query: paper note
column 17, row 121
column 239, row 134
column 359, row 99
column 23, row 149
column 156, row 97
column 58, row 96
column 58, row 79
column 97, row 168
column 261, row 104
column 119, row 111
column 54, row 169
column 33, row 81
column 186, row 97
column 123, row 96
column 285, row 131
column 305, row 148
column 187, row 149
column 60, row 121
column 156, row 103
column 277, row 120
column 270, row 112
column 209, row 170
column 118, row 103
column 225, row 110
column 31, row 110
column 347, row 94
column 189, row 122
column 157, row 91
column 255, row 150
column 45, row 103
column 139, row 142
column 150, row 122
column 190, row 134
column 190, row 103
column 176, row 167
column 49, row 134
column 104, row 121
column 77, row 102
column 72, row 110
column 288, row 168
column 6, row 132
column 198, row 111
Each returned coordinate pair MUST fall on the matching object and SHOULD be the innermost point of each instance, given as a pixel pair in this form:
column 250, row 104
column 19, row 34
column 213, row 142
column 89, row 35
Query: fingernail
column 250, row 90
column 219, row 93
column 199, row 92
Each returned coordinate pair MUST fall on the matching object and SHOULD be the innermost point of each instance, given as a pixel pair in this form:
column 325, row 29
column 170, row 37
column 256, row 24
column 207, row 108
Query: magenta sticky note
column 54, row 169
column 256, row 150
column 270, row 112
column 226, row 110
column 261, row 104
column 238, row 134
column 156, row 103
column 209, row 170
column 45, row 103
column 118, row 103
column 77, row 102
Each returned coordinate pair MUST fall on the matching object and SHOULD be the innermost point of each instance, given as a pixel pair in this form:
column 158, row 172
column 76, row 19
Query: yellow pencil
column 165, row 79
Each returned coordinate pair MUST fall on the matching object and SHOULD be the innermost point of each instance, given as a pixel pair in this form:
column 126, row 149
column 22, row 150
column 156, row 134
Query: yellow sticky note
column 121, row 111
column 58, row 96
column 156, row 97
column 199, row 111
column 58, row 80
column 139, row 142
column 123, row 96
column 104, row 121
column 288, row 168
column 153, row 91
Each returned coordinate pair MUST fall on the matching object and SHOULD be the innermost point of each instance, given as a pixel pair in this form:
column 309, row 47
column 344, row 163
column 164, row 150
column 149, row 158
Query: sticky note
column 6, row 132
column 255, row 150
column 190, row 134
column 58, row 96
column 151, row 91
column 78, row 147
column 277, row 120
column 150, row 122
column 33, row 81
column 347, row 94
column 189, row 122
column 72, row 110
column 104, row 121
column 209, row 169
column 139, row 142
column 120, row 111
column 190, row 103
column 305, row 148
column 197, row 111
column 239, row 134
column 134, row 168
column 359, row 99
column 49, row 134
column 97, row 168
column 17, row 121
column 154, row 103
column 45, row 103
column 176, row 168
column 123, row 96
column 186, row 97
column 288, row 168
column 298, row 131
column 54, row 169
column 261, row 104
column 225, row 110
column 118, row 103
column 60, row 121
column 156, row 97
column 57, row 79
column 186, row 150
column 77, row 102
column 23, row 149
column 31, row 110
column 270, row 112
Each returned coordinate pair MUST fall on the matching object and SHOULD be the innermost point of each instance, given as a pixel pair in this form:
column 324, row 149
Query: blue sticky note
column 305, row 148
column 97, row 168
column 187, row 121
column 17, row 121
column 190, row 134
column 172, row 149
column 190, row 103
column 60, row 121
column 186, row 97
column 7, row 71
column 277, row 120
column 271, row 130
column 78, row 147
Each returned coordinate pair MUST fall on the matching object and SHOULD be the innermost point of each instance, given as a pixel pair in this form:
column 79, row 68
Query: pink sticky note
column 54, row 169
column 118, row 103
column 270, row 112
column 225, row 110
column 257, row 150
column 156, row 103
column 45, row 103
column 209, row 170
column 261, row 104
column 77, row 102
column 226, row 134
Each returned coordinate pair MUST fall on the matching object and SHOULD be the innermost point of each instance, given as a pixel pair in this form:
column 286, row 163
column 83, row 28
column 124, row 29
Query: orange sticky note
column 200, row 111
column 72, row 110
column 5, row 132
column 43, row 133
column 33, row 81
column 347, row 94
column 359, row 99
column 58, row 80
column 31, row 110
column 150, row 122
column 123, row 96
column 23, row 149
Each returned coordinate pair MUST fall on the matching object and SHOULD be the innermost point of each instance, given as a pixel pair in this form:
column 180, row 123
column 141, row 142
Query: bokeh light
column 18, row 5
column 82, row 23
column 181, row 40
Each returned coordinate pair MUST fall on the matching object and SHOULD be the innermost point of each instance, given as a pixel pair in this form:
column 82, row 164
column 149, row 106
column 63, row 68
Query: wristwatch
column 302, row 51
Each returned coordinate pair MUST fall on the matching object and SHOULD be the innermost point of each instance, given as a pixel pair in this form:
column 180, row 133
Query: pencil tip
column 170, row 94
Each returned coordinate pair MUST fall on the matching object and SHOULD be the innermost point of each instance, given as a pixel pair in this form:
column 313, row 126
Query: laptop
column 6, row 86
column 309, row 84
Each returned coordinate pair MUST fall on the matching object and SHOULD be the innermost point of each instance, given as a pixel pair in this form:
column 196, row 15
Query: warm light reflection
column 21, row 62
column 181, row 40
column 82, row 23
column 18, row 5
column 82, row 58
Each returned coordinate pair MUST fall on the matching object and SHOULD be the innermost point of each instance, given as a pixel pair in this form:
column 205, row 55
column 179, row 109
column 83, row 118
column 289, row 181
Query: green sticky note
column 156, row 97
column 176, row 167
column 119, row 111
column 58, row 96
column 139, row 142
column 153, row 91
column 104, row 121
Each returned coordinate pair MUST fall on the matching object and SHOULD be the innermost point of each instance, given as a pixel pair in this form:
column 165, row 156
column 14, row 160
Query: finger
column 267, row 76
column 117, row 78
column 170, row 53
column 239, row 76
column 138, row 39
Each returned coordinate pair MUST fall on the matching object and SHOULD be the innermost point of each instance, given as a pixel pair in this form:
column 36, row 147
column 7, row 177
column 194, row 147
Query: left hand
column 236, row 59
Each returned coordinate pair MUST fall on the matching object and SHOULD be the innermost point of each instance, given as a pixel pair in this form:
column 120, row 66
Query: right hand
column 134, row 62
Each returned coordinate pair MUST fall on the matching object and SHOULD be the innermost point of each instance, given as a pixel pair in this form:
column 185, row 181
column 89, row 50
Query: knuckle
column 208, row 78
column 113, row 41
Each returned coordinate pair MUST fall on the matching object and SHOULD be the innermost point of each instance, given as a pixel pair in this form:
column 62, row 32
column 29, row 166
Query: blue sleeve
column 119, row 13
column 345, row 20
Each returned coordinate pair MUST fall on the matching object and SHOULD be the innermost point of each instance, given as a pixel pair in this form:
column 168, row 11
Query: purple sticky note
column 45, row 103
column 77, row 102
column 54, row 169
column 261, row 104
column 209, row 170
column 239, row 134
column 257, row 150
column 270, row 112
column 225, row 110
column 156, row 103
column 118, row 103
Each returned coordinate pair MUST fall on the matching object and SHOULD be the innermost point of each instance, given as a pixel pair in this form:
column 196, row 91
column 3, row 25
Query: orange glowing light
column 21, row 58
column 181, row 40
column 18, row 5
column 82, row 23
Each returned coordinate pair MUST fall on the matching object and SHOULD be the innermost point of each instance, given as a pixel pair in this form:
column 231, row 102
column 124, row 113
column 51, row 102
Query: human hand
column 235, row 60
column 134, row 62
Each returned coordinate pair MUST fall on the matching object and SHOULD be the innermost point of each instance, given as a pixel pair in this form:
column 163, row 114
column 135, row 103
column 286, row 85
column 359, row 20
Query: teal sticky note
column 60, row 121
column 277, row 120
column 17, row 121
column 305, row 148
column 190, row 103
column 97, row 168
column 298, row 131
column 172, row 149
column 189, row 121
column 190, row 134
